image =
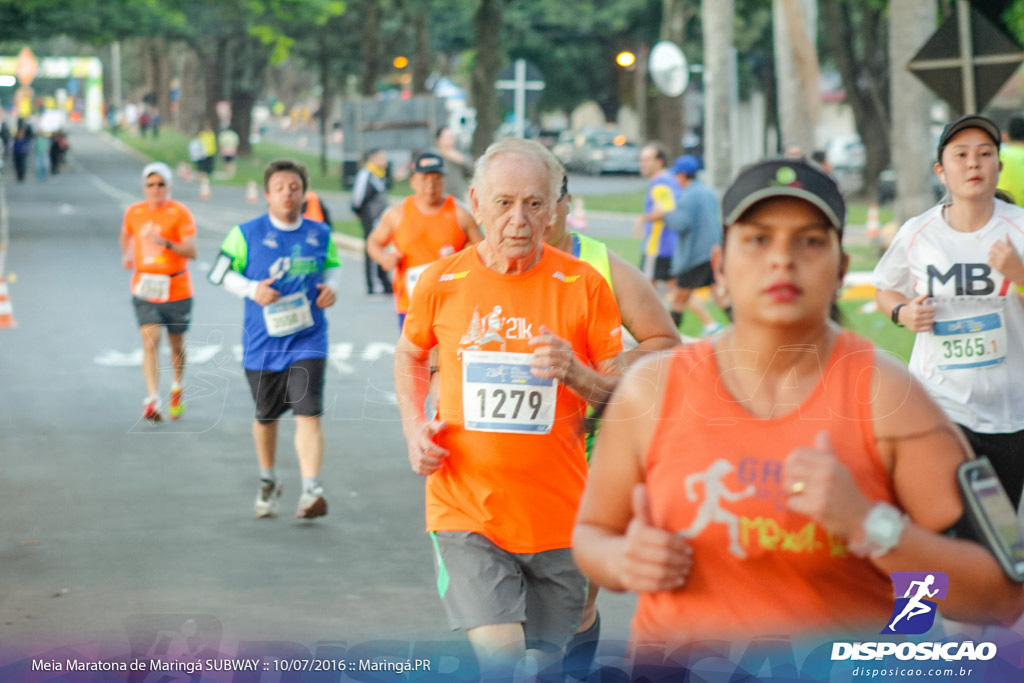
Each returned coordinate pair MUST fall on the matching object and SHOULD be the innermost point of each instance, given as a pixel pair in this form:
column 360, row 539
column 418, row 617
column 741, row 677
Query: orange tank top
column 714, row 473
column 422, row 238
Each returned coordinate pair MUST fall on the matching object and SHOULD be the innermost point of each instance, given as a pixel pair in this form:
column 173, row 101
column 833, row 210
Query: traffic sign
column 967, row 60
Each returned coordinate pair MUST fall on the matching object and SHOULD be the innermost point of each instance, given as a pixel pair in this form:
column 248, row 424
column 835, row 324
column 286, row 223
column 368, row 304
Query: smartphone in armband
column 992, row 515
column 220, row 268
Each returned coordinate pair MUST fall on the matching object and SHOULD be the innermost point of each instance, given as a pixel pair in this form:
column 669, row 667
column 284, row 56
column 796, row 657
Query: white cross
column 519, row 85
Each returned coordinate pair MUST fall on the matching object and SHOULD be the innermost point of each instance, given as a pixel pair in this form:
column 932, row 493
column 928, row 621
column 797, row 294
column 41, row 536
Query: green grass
column 868, row 323
column 632, row 202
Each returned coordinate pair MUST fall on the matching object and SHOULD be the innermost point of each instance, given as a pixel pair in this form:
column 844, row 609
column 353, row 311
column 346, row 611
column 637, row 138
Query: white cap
column 161, row 169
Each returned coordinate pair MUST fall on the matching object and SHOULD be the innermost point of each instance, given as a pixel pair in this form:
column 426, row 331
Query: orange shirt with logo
column 422, row 238
column 519, row 490
column 714, row 474
column 171, row 221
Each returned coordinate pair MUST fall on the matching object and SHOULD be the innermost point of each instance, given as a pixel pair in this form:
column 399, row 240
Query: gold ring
column 797, row 488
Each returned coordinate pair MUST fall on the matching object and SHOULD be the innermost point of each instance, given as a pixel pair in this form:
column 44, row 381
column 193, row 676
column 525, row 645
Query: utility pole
column 719, row 87
column 796, row 66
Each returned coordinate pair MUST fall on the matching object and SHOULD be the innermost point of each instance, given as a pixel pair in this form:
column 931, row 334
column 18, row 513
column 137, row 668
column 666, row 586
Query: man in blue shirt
column 697, row 225
column 287, row 269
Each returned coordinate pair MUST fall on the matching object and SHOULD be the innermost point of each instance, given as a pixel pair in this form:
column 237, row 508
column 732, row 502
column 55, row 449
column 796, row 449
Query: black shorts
column 656, row 268
column 205, row 165
column 299, row 388
column 175, row 315
column 696, row 277
column 1004, row 451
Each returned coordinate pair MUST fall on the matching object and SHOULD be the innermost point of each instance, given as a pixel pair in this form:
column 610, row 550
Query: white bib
column 969, row 332
column 288, row 315
column 152, row 287
column 499, row 394
column 412, row 276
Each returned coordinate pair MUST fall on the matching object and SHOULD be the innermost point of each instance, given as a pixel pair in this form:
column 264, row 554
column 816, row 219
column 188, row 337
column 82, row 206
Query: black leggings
column 1006, row 453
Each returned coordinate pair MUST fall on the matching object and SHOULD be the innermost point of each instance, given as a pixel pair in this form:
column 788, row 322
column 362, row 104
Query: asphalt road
column 120, row 539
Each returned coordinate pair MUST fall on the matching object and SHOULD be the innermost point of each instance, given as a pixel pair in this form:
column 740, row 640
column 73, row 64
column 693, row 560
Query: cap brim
column 783, row 191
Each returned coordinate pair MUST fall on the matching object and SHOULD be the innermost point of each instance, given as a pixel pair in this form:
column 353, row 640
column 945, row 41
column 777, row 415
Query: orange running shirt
column 521, row 490
column 172, row 221
column 421, row 239
column 714, row 473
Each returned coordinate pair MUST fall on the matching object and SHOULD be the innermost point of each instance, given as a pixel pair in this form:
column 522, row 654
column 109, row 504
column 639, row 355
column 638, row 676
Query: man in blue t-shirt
column 697, row 224
column 287, row 269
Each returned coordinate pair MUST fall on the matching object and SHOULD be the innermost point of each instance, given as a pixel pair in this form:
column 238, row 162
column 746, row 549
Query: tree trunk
column 866, row 90
column 796, row 69
column 487, row 23
column 421, row 60
column 911, row 101
column 370, row 61
column 247, row 82
column 670, row 109
column 718, row 89
column 326, row 97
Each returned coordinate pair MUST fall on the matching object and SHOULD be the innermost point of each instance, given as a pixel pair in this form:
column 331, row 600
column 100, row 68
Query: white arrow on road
column 338, row 355
column 375, row 350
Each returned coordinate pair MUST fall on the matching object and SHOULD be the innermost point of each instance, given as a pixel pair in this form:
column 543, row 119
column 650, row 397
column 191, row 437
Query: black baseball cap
column 983, row 123
column 785, row 178
column 429, row 162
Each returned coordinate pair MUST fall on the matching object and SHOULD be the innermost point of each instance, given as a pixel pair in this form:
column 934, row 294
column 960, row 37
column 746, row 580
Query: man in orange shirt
column 526, row 336
column 426, row 226
column 158, row 237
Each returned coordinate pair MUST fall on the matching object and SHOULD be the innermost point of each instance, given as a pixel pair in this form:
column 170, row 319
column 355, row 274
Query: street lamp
column 625, row 59
column 400, row 62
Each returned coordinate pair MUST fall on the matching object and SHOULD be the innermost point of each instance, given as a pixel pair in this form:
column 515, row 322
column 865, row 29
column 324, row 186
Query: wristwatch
column 883, row 526
column 896, row 314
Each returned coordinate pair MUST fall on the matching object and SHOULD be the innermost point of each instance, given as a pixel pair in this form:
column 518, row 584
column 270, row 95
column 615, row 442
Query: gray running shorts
column 176, row 315
column 480, row 584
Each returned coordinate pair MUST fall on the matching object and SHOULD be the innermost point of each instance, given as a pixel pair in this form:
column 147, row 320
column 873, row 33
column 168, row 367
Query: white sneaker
column 312, row 504
column 266, row 498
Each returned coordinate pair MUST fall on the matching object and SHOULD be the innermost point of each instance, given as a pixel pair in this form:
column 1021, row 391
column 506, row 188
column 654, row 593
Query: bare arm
column 642, row 312
column 916, row 315
column 922, row 450
column 554, row 357
column 377, row 242
column 186, row 248
column 615, row 542
column 412, row 383
column 468, row 225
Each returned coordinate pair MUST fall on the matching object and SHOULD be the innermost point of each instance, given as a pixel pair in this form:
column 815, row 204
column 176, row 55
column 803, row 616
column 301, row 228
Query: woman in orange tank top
column 768, row 480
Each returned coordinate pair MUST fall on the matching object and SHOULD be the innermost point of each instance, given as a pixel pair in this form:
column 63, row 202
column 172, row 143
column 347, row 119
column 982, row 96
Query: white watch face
column 883, row 525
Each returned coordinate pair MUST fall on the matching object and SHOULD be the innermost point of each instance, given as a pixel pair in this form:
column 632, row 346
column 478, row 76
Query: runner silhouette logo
column 916, row 606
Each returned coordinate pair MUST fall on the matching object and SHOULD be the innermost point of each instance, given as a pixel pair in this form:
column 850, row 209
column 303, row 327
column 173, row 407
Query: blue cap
column 686, row 165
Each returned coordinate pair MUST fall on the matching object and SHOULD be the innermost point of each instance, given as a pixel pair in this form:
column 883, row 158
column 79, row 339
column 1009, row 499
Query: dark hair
column 660, row 153
column 440, row 130
column 564, row 190
column 369, row 153
column 289, row 165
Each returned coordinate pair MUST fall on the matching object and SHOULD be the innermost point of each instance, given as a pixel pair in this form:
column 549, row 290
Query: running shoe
column 266, row 498
column 312, row 504
column 177, row 406
column 150, row 411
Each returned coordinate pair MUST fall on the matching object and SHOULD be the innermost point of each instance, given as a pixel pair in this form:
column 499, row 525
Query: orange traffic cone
column 6, row 310
column 874, row 228
column 204, row 187
column 873, row 225
column 251, row 193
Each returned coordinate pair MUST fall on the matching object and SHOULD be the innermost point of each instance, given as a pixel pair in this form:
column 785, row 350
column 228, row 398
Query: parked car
column 605, row 151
